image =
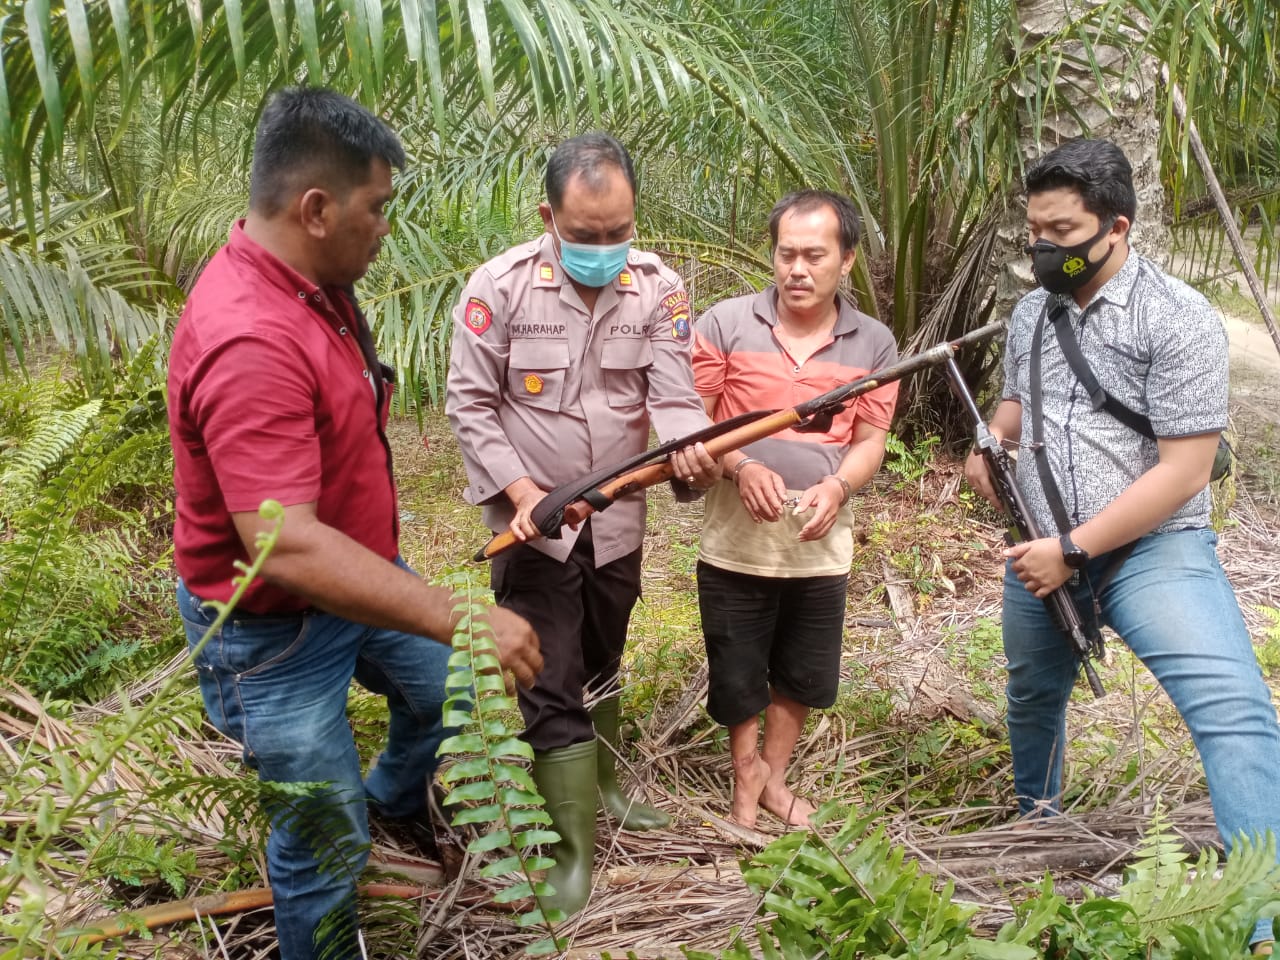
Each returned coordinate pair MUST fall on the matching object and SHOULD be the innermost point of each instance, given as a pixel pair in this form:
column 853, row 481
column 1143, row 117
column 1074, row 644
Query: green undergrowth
column 91, row 809
column 854, row 895
column 874, row 755
column 86, row 581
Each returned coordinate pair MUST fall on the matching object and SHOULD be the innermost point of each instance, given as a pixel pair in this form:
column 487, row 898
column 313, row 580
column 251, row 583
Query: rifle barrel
column 1061, row 607
column 655, row 473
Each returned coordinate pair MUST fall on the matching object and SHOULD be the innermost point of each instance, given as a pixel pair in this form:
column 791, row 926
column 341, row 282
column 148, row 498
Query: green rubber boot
column 630, row 813
column 566, row 778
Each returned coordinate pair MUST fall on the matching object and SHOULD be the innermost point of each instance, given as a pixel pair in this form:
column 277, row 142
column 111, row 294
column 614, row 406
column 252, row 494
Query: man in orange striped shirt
column 777, row 540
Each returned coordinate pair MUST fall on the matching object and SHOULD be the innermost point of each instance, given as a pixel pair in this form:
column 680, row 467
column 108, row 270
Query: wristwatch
column 1073, row 556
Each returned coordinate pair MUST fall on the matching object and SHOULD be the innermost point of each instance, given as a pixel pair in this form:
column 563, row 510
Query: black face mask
column 1066, row 269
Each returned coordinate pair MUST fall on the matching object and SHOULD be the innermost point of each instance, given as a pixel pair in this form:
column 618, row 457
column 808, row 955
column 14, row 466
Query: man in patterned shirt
column 1157, row 347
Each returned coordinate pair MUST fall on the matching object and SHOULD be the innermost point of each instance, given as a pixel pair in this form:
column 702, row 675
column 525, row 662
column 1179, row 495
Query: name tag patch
column 537, row 330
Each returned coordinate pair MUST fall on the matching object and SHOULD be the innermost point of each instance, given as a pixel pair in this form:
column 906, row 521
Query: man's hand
column 825, row 498
column 762, row 491
column 696, row 467
column 1006, row 424
column 1039, row 565
column 979, row 477
column 517, row 643
column 524, row 495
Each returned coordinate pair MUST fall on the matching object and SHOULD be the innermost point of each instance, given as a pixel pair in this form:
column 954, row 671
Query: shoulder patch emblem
column 677, row 310
column 546, row 271
column 477, row 316
column 533, row 384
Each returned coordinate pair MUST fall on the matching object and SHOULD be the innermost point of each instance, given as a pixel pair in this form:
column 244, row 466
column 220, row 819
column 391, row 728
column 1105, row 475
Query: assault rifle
column 573, row 502
column 1085, row 642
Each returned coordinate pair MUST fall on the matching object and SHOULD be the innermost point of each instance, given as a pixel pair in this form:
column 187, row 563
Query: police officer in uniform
column 565, row 350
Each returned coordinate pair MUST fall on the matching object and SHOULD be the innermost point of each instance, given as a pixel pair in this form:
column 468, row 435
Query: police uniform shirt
column 541, row 387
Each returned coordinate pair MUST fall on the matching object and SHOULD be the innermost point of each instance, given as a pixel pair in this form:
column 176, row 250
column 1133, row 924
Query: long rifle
column 573, row 502
column 1085, row 642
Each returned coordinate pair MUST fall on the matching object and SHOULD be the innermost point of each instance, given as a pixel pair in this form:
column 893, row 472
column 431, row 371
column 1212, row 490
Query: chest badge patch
column 533, row 384
column 546, row 272
column 624, row 278
column 477, row 316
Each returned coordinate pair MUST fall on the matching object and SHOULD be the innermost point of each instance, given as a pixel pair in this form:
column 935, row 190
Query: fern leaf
column 486, row 771
column 1248, row 879
column 27, row 465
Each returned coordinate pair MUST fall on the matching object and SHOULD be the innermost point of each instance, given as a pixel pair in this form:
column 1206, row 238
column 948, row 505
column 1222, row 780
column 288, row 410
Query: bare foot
column 749, row 781
column 794, row 811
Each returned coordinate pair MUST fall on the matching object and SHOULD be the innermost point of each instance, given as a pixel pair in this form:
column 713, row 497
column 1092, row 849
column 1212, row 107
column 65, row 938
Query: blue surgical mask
column 591, row 264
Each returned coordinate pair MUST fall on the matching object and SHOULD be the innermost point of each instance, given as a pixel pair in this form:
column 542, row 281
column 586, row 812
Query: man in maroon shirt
column 275, row 392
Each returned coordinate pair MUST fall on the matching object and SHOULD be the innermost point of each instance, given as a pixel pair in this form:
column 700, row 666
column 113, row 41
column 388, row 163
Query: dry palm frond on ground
column 916, row 739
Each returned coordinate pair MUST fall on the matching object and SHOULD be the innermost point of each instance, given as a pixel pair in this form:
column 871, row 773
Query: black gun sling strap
column 1100, row 399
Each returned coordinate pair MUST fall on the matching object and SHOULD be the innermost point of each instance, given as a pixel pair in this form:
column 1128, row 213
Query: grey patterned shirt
column 1155, row 345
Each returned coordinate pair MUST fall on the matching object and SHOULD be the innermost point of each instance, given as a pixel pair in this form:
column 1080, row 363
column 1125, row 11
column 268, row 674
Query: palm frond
column 399, row 57
column 54, row 293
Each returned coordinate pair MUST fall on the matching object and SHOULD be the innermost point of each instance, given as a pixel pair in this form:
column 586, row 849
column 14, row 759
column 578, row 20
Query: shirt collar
column 271, row 267
column 323, row 300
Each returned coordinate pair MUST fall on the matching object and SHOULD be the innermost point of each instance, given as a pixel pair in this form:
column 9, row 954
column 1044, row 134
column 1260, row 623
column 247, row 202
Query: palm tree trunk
column 1062, row 99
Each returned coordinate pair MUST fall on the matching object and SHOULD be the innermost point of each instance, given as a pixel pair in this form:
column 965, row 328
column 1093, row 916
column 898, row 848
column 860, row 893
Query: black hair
column 586, row 155
column 310, row 136
column 1096, row 169
column 803, row 201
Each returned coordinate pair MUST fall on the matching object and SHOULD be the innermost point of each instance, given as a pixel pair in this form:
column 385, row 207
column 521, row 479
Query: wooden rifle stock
column 1084, row 644
column 653, row 474
column 825, row 404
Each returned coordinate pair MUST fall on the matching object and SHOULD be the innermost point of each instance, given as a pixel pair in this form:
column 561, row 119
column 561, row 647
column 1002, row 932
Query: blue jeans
column 1172, row 605
column 278, row 686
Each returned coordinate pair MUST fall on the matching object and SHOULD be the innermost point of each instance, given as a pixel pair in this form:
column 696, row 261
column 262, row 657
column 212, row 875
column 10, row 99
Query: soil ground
column 1255, row 406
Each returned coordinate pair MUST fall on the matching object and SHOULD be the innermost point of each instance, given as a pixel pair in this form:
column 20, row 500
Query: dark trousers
column 581, row 614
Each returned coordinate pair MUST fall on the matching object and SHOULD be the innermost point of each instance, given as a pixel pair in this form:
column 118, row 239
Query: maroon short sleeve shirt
column 271, row 397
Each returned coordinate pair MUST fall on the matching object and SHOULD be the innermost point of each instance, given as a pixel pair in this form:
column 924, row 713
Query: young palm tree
column 922, row 110
column 481, row 92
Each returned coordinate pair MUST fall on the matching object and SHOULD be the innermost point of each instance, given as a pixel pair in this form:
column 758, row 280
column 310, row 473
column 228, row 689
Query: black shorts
column 770, row 631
